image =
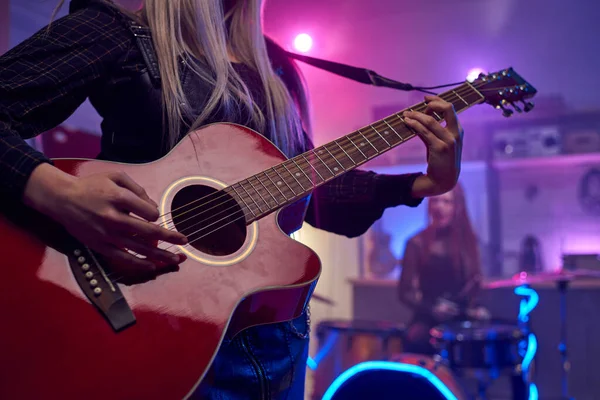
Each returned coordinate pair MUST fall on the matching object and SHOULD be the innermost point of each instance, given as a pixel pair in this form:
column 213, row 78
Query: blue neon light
column 531, row 350
column 313, row 363
column 526, row 305
column 525, row 308
column 533, row 392
column 389, row 366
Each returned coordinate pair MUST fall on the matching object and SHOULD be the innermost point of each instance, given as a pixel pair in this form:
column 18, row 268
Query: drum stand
column 562, row 347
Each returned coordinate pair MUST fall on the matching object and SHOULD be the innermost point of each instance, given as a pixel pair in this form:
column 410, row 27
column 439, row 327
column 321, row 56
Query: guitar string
column 337, row 152
column 354, row 150
column 298, row 160
column 204, row 228
column 352, row 154
column 232, row 215
column 375, row 133
column 462, row 91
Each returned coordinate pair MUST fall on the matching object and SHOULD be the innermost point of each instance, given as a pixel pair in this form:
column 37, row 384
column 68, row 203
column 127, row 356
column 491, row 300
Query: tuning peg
column 516, row 107
column 505, row 111
column 527, row 106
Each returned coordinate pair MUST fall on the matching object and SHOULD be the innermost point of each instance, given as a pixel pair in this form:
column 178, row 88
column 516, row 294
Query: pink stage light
column 303, row 43
column 474, row 73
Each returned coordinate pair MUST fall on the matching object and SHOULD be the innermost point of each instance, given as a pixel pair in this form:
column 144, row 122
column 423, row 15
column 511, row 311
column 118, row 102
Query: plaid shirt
column 47, row 77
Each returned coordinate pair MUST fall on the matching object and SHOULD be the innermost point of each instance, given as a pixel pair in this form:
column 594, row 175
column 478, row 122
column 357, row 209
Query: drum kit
column 561, row 280
column 484, row 350
column 495, row 346
column 487, row 348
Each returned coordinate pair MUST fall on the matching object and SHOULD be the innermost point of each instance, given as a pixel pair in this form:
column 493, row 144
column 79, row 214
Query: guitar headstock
column 504, row 89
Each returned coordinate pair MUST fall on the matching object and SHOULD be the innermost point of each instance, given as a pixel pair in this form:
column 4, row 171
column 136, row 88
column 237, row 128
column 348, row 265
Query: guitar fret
column 481, row 97
column 313, row 167
column 358, row 148
column 251, row 197
column 377, row 152
column 379, row 134
column 395, row 131
column 347, row 155
column 292, row 175
column 460, row 97
column 268, row 193
column 282, row 184
column 323, row 162
column 289, row 180
column 381, row 140
column 247, row 206
column 310, row 181
column 335, row 169
column 266, row 173
column 406, row 125
column 476, row 100
column 259, row 194
column 277, row 202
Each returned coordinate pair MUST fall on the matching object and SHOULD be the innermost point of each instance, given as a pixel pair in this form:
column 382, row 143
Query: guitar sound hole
column 211, row 219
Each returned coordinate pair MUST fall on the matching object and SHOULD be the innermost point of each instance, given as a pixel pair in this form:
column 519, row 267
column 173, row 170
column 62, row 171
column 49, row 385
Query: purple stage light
column 303, row 43
column 474, row 73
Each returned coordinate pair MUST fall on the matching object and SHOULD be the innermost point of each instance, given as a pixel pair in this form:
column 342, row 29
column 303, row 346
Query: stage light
column 390, row 366
column 474, row 73
column 303, row 43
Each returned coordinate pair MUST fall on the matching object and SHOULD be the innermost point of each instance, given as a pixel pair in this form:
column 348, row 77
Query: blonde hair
column 199, row 33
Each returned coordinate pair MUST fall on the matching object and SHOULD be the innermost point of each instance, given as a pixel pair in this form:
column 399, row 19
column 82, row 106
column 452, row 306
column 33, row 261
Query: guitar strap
column 357, row 74
column 362, row 75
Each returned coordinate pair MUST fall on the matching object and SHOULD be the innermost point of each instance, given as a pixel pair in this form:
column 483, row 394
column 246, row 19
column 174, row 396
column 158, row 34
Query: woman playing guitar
column 154, row 75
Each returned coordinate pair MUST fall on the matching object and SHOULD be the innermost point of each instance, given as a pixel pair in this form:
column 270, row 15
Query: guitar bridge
column 100, row 290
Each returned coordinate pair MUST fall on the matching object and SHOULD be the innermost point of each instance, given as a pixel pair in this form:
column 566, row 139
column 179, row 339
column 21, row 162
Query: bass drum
column 343, row 344
column 404, row 377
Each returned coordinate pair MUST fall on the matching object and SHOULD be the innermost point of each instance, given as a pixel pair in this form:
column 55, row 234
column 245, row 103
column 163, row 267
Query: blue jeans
column 262, row 362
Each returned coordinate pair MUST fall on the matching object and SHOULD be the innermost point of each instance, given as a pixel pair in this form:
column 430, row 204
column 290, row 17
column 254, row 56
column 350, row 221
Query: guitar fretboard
column 297, row 177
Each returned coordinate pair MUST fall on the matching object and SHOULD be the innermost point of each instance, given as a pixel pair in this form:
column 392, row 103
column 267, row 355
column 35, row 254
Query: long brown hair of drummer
column 449, row 212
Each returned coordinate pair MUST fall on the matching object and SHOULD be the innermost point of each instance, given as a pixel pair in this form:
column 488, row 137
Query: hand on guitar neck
column 444, row 144
column 97, row 210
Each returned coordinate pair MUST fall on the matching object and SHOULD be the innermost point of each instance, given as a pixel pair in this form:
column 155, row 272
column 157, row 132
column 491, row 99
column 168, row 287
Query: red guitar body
column 57, row 345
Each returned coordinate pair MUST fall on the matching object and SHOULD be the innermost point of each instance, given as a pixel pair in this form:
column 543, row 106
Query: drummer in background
column 441, row 271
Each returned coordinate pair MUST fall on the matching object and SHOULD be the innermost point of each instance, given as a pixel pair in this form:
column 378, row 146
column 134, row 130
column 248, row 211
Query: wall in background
column 543, row 201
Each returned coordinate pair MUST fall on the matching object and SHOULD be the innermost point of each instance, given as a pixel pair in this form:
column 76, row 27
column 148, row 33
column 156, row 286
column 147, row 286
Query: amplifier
column 525, row 142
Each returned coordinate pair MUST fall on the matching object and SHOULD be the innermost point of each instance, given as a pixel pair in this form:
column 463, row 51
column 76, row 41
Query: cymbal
column 524, row 278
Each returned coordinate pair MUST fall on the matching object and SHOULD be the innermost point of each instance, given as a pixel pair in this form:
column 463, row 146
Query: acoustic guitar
column 71, row 329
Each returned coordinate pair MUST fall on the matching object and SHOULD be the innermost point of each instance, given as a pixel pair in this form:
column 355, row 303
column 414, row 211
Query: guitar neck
column 297, row 177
